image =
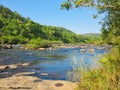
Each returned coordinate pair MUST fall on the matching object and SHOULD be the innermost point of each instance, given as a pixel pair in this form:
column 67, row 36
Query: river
column 50, row 64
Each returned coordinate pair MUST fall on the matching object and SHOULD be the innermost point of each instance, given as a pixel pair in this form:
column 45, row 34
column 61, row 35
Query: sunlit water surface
column 51, row 64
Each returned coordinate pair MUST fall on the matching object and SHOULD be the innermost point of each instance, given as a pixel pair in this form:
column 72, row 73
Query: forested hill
column 92, row 34
column 15, row 29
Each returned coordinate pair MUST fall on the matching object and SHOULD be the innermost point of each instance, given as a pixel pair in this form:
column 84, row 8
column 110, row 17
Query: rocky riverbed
column 14, row 77
column 22, row 81
column 22, row 69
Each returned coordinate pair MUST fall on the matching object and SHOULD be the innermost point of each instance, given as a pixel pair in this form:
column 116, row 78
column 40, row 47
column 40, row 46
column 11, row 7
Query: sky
column 48, row 12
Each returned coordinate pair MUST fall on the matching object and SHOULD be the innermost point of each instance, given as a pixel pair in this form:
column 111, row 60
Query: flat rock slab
column 21, row 82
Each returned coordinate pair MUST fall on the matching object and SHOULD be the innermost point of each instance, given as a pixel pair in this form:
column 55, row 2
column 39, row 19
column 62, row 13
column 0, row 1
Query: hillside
column 96, row 35
column 16, row 29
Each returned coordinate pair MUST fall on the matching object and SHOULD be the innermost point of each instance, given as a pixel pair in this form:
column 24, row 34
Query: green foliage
column 105, row 78
column 90, row 38
column 102, row 79
column 13, row 40
column 108, row 76
column 111, row 24
column 41, row 43
column 111, row 21
column 16, row 29
column 112, row 58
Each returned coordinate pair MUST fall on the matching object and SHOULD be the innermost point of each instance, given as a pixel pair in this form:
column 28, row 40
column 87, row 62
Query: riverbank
column 22, row 81
column 13, row 77
column 22, row 77
column 54, row 46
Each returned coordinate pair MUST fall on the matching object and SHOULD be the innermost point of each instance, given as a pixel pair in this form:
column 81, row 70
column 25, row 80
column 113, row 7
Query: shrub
column 106, row 77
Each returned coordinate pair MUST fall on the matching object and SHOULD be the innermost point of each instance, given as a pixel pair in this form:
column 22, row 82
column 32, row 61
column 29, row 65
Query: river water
column 50, row 64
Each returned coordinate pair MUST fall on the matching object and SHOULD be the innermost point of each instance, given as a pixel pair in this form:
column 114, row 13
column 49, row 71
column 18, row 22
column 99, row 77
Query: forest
column 16, row 29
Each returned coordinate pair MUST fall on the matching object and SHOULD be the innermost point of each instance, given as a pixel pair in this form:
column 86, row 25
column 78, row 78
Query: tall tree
column 111, row 22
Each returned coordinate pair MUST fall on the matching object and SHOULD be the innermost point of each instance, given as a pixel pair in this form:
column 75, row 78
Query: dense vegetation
column 91, row 38
column 108, row 76
column 15, row 29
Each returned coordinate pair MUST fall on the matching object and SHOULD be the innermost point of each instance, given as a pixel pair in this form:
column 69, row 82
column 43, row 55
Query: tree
column 1, row 24
column 111, row 21
column 110, row 71
column 17, row 29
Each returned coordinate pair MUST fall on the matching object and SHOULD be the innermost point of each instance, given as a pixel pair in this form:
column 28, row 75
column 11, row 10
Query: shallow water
column 50, row 64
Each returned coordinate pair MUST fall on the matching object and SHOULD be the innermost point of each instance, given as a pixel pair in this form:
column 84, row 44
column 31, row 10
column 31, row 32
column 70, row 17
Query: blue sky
column 47, row 12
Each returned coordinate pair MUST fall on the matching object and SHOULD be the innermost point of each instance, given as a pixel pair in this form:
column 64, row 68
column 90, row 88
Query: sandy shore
column 21, row 81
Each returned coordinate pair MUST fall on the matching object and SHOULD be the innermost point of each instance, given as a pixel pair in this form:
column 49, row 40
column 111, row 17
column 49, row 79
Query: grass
column 105, row 77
